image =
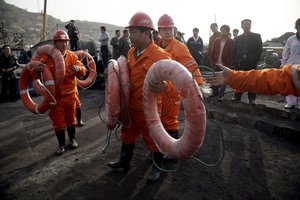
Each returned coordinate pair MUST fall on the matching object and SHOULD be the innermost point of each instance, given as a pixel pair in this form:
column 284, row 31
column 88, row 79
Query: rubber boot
column 78, row 117
column 60, row 135
column 123, row 164
column 155, row 172
column 71, row 133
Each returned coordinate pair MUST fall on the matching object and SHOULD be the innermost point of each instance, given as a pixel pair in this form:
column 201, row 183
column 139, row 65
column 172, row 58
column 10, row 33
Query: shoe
column 73, row 144
column 80, row 123
column 119, row 166
column 287, row 106
column 234, row 100
column 154, row 174
column 61, row 150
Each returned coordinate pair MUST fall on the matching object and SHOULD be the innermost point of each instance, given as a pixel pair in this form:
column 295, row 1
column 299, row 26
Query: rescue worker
column 141, row 56
column 284, row 81
column 171, row 101
column 64, row 112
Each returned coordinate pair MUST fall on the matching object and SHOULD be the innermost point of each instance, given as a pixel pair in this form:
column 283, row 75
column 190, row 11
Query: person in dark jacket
column 246, row 54
column 73, row 33
column 8, row 66
column 124, row 43
column 114, row 42
column 195, row 45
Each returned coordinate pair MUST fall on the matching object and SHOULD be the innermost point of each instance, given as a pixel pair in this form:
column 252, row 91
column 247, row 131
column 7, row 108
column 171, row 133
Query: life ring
column 195, row 115
column 48, row 96
column 124, row 117
column 58, row 59
column 92, row 68
column 112, row 95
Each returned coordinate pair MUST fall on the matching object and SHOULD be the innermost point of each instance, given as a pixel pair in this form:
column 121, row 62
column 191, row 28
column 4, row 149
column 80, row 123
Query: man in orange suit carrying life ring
column 63, row 114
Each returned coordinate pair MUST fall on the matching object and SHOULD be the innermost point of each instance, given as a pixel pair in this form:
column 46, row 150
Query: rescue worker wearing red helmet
column 64, row 112
column 181, row 54
column 141, row 56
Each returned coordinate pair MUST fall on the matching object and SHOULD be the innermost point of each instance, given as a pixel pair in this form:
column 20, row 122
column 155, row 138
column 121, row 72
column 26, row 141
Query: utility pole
column 43, row 38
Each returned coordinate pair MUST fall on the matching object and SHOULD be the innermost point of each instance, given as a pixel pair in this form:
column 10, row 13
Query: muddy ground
column 256, row 165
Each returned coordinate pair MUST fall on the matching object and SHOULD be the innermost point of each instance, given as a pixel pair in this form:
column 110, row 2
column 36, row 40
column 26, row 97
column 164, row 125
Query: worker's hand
column 75, row 68
column 157, row 87
column 218, row 78
column 39, row 67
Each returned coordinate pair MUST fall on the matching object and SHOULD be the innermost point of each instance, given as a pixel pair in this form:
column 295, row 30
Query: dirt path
column 256, row 165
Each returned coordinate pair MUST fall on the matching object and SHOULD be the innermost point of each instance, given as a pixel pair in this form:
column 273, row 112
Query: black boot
column 78, row 117
column 123, row 164
column 71, row 133
column 155, row 172
column 61, row 141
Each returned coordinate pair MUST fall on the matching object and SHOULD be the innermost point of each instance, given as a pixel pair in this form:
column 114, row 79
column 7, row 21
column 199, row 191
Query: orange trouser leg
column 63, row 114
column 138, row 127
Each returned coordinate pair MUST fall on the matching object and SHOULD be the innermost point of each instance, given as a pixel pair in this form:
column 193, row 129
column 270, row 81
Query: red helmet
column 61, row 35
column 165, row 21
column 141, row 19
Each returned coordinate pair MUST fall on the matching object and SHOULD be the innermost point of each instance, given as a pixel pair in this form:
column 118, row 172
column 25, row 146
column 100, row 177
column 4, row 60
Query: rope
column 53, row 98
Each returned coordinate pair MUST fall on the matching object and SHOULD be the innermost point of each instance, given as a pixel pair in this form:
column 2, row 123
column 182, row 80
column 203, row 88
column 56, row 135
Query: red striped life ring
column 92, row 68
column 112, row 95
column 58, row 59
column 48, row 96
column 124, row 91
column 195, row 116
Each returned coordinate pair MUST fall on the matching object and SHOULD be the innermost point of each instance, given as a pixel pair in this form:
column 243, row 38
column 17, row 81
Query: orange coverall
column 181, row 54
column 63, row 113
column 138, row 68
column 267, row 81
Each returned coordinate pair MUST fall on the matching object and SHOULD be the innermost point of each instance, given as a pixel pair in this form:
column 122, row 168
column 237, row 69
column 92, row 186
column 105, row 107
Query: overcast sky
column 270, row 18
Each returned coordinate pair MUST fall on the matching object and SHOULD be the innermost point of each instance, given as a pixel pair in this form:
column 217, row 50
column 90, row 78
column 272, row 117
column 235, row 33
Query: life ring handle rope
column 47, row 90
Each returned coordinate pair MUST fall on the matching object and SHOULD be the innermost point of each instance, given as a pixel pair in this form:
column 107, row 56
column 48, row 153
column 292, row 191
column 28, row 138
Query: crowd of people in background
column 240, row 52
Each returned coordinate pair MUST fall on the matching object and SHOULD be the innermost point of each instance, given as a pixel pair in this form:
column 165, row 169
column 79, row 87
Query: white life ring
column 195, row 115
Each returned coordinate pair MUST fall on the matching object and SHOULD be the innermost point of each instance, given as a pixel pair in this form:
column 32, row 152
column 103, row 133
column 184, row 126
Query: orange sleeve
column 267, row 81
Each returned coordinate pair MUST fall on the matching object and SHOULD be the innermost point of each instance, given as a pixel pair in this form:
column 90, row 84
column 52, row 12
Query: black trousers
column 104, row 55
column 10, row 84
column 74, row 45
